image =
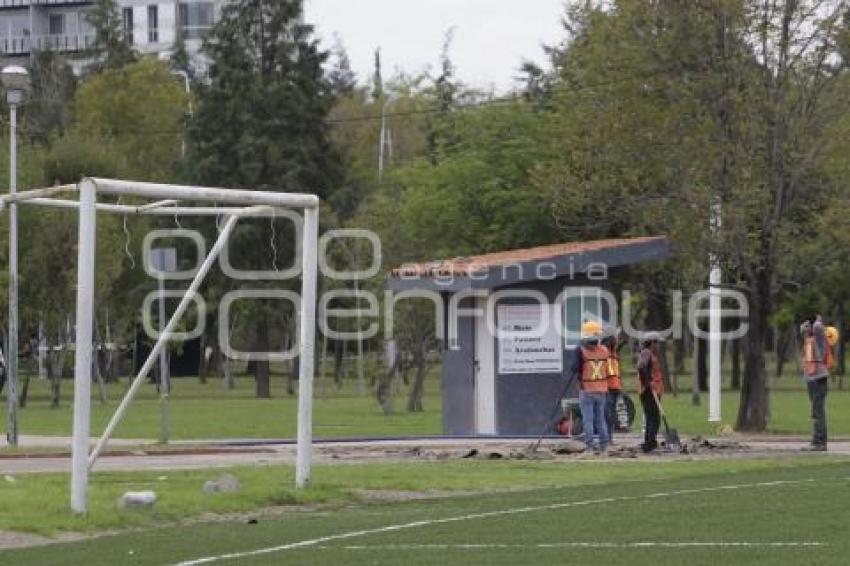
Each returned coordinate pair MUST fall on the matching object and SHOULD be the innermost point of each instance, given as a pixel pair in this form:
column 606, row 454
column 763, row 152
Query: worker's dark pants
column 652, row 420
column 817, row 395
column 611, row 412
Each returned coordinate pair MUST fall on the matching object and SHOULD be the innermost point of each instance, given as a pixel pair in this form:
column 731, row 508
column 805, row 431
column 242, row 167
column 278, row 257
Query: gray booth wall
column 523, row 402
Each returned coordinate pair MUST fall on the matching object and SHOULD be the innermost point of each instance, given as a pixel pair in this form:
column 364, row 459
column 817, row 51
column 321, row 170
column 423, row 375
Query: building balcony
column 65, row 43
column 28, row 3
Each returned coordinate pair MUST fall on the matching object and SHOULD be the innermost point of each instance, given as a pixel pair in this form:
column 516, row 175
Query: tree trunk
column 414, row 402
column 339, row 362
column 97, row 357
column 294, row 372
column 203, row 361
column 695, row 395
column 679, row 357
column 25, row 388
column 783, row 343
column 736, row 364
column 753, row 410
column 385, row 383
column 323, row 365
column 702, row 364
column 261, row 368
column 132, row 371
column 101, row 385
column 54, row 373
column 225, row 369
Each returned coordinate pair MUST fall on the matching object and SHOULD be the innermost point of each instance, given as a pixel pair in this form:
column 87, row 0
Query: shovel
column 671, row 435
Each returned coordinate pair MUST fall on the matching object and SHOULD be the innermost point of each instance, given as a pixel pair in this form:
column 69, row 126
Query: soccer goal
column 173, row 200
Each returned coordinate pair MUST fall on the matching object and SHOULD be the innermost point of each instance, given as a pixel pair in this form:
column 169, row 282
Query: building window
column 127, row 19
column 579, row 308
column 56, row 24
column 153, row 24
column 196, row 18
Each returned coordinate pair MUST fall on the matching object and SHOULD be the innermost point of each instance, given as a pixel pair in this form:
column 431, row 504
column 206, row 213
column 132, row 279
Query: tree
column 341, row 76
column 261, row 121
column 180, row 59
column 794, row 88
column 378, row 78
column 668, row 108
column 48, row 111
column 111, row 48
column 137, row 111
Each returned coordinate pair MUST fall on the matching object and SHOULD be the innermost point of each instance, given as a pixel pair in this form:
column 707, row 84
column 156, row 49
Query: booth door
column 485, row 373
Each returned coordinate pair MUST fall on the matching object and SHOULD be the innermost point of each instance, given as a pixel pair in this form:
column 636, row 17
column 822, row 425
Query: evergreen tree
column 342, row 78
column 180, row 59
column 377, row 78
column 441, row 127
column 261, row 123
column 261, row 119
column 110, row 49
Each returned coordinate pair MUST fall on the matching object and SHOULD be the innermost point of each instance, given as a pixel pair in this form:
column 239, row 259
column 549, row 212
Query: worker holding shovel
column 650, row 387
column 816, row 354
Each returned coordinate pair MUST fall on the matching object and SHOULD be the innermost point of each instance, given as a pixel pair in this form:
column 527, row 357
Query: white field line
column 474, row 516
column 544, row 545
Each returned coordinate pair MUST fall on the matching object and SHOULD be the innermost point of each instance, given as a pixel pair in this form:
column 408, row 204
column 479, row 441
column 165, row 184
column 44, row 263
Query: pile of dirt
column 699, row 444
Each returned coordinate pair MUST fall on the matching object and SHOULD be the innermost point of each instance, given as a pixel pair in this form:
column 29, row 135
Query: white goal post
column 168, row 201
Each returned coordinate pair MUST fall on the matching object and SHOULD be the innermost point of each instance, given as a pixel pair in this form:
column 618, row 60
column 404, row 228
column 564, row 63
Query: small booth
column 501, row 373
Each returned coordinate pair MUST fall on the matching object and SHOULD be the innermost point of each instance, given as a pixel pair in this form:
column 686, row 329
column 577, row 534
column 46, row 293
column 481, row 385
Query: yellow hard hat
column 591, row 329
column 832, row 335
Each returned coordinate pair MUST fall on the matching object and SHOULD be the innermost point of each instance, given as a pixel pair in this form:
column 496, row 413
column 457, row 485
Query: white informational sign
column 522, row 348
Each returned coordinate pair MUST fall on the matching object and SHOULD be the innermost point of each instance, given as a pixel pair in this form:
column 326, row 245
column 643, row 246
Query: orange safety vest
column 810, row 358
column 657, row 377
column 594, row 369
column 615, row 382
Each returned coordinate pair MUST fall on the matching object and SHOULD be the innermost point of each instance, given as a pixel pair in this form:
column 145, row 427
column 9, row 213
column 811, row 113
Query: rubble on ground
column 136, row 499
column 224, row 484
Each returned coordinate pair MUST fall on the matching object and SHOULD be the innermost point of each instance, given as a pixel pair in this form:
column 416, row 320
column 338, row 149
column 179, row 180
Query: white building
column 61, row 25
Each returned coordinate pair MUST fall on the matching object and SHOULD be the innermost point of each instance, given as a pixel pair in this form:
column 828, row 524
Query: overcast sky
column 491, row 38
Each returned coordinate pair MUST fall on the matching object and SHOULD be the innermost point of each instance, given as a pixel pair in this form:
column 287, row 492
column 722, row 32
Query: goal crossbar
column 170, row 200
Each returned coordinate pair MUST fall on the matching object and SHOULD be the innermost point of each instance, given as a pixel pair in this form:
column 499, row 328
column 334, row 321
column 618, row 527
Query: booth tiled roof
column 464, row 266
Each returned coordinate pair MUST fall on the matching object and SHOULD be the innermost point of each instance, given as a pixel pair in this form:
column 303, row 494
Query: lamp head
column 16, row 82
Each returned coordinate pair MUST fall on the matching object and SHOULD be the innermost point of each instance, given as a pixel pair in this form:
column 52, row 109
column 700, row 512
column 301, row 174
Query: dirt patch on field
column 11, row 539
column 394, row 496
column 145, row 451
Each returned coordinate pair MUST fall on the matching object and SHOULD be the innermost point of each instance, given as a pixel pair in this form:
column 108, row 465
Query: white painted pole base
column 308, row 331
column 83, row 361
column 715, row 383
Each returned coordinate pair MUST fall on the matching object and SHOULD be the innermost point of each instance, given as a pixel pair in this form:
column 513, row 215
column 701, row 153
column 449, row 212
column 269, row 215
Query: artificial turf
column 772, row 512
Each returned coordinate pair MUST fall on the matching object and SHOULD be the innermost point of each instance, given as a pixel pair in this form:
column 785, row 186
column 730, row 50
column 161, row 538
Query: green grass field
column 211, row 411
column 790, row 511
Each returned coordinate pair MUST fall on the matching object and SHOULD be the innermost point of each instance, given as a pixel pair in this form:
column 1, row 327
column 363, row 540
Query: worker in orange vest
column 650, row 379
column 615, row 383
column 589, row 367
column 816, row 374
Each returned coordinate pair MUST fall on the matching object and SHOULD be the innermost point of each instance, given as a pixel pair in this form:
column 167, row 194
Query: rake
column 534, row 446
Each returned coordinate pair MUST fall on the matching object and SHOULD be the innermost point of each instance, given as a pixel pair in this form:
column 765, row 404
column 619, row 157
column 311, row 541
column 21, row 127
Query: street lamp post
column 15, row 81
